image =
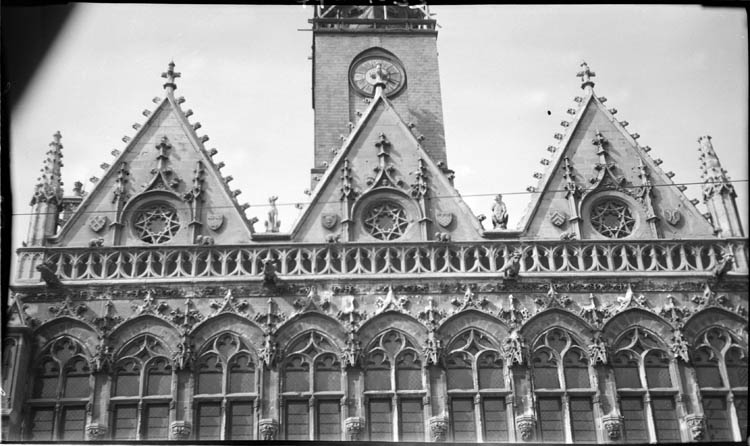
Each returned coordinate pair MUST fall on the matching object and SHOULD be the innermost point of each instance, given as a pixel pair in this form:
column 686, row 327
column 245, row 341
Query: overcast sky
column 507, row 78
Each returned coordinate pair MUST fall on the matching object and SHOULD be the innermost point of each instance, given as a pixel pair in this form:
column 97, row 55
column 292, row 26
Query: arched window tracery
column 142, row 379
column 647, row 389
column 720, row 362
column 312, row 389
column 476, row 388
column 59, row 393
column 563, row 388
column 225, row 389
column 394, row 387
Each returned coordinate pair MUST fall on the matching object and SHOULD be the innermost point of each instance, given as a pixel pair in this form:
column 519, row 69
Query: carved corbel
column 438, row 427
column 696, row 425
column 268, row 429
column 354, row 427
column 96, row 431
column 180, row 430
column 613, row 426
column 526, row 425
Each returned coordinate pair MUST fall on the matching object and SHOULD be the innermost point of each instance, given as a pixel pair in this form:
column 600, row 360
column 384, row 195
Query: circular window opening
column 157, row 223
column 612, row 218
column 386, row 220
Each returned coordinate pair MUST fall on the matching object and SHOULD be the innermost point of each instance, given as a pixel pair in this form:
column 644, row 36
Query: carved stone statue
column 499, row 214
column 273, row 223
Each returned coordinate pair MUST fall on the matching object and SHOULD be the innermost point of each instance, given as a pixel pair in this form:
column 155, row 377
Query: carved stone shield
column 444, row 219
column 97, row 222
column 214, row 221
column 672, row 216
column 329, row 221
column 557, row 218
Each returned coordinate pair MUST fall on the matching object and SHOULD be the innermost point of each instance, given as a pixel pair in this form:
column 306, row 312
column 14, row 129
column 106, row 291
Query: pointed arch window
column 562, row 387
column 646, row 385
column 60, row 392
column 476, row 388
column 720, row 362
column 225, row 390
column 142, row 391
column 312, row 389
column 394, row 388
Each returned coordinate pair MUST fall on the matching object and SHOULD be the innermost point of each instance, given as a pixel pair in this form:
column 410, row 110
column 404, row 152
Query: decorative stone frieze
column 268, row 428
column 526, row 425
column 180, row 430
column 354, row 427
column 613, row 426
column 438, row 427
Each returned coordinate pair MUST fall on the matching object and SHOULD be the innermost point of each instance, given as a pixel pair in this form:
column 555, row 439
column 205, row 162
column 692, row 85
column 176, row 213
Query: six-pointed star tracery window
column 157, row 224
column 386, row 220
column 612, row 218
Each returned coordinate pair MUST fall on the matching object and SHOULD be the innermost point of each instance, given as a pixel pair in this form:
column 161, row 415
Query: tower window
column 156, row 224
column 612, row 218
column 386, row 220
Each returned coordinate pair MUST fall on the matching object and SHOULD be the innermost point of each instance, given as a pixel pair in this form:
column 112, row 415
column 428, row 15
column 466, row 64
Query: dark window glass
column 462, row 416
column 209, row 375
column 46, row 380
column 297, row 420
column 627, row 375
column 545, row 370
column 73, row 423
column 41, row 424
column 377, row 372
column 576, row 369
column 634, row 417
column 408, row 372
column 707, row 369
column 459, row 372
column 124, row 423
column 740, row 403
column 156, row 422
column 209, row 422
column 736, row 362
column 241, row 420
column 380, row 420
column 665, row 419
column 297, row 375
column 495, row 419
column 128, row 379
column 582, row 420
column 657, row 370
column 717, row 419
column 159, row 378
column 411, row 420
column 77, row 380
column 490, row 371
column 329, row 420
column 550, row 419
column 241, row 375
column 327, row 374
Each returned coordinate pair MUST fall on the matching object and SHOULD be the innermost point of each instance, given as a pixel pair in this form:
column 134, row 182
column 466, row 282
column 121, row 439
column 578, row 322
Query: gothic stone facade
column 151, row 308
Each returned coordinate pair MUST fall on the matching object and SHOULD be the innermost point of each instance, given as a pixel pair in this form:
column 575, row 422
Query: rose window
column 157, row 224
column 386, row 221
column 612, row 218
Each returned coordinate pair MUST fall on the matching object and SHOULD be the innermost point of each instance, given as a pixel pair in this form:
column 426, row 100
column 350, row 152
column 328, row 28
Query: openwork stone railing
column 490, row 258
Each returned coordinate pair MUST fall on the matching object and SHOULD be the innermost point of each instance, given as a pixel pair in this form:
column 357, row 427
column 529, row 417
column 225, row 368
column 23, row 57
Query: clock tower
column 355, row 45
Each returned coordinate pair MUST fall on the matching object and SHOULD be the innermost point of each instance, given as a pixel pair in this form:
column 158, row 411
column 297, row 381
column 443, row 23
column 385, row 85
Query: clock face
column 366, row 73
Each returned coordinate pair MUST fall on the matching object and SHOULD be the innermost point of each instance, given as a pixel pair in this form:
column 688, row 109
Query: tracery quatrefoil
column 386, row 221
column 157, row 224
column 612, row 218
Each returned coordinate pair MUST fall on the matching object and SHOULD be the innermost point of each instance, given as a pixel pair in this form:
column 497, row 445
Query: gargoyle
column 48, row 275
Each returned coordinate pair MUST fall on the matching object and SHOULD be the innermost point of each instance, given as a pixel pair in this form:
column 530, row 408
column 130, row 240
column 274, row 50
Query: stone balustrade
column 408, row 260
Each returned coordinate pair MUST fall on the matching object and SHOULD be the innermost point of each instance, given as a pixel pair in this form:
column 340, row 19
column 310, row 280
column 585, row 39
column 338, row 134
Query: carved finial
column 49, row 188
column 586, row 74
column 715, row 180
column 170, row 75
column 499, row 213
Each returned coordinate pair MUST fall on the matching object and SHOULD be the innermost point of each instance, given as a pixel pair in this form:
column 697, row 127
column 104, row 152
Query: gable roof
column 190, row 175
column 594, row 125
column 380, row 114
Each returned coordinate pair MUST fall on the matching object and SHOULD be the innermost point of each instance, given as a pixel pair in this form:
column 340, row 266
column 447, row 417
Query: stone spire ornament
column 718, row 192
column 47, row 200
column 586, row 74
column 170, row 75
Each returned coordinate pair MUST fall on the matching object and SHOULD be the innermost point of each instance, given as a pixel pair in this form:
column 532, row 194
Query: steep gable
column 602, row 184
column 382, row 185
column 162, row 189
